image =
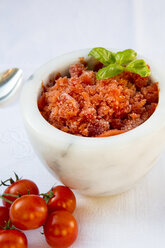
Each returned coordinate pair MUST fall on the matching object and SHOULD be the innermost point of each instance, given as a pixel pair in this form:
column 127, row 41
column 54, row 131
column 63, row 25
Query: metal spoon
column 10, row 82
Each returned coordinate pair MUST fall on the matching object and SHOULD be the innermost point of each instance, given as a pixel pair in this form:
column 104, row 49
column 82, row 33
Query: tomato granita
column 82, row 105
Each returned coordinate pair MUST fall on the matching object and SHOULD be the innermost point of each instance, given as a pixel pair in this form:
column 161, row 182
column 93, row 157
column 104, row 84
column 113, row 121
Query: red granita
column 84, row 106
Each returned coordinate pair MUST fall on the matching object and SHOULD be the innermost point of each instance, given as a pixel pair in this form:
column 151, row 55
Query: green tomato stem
column 17, row 196
column 3, row 198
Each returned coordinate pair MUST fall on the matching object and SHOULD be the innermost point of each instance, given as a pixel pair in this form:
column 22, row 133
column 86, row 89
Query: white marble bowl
column 93, row 166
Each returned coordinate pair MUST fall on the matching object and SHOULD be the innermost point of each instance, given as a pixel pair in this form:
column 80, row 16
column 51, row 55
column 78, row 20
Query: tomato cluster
column 25, row 209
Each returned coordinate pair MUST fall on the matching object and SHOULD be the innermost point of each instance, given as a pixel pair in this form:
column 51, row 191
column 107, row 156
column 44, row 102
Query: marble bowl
column 93, row 166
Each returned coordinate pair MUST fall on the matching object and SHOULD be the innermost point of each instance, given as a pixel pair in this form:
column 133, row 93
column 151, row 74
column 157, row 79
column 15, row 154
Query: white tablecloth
column 34, row 31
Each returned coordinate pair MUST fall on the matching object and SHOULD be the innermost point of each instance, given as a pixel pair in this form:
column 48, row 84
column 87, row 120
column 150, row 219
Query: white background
column 34, row 31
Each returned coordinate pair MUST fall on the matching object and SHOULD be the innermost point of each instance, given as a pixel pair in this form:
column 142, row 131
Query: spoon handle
column 10, row 82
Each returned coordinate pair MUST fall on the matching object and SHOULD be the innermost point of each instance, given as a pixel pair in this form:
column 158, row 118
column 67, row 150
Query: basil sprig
column 118, row 62
column 139, row 66
column 125, row 57
column 109, row 71
column 103, row 55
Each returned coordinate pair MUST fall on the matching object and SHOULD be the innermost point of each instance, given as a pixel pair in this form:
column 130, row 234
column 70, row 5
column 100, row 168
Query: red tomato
column 4, row 216
column 63, row 199
column 22, row 187
column 60, row 229
column 28, row 212
column 13, row 238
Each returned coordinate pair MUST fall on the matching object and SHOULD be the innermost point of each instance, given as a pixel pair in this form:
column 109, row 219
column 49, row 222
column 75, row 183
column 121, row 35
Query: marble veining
column 31, row 77
column 65, row 153
column 56, row 166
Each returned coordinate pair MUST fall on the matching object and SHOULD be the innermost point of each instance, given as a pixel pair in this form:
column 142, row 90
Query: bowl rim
column 40, row 126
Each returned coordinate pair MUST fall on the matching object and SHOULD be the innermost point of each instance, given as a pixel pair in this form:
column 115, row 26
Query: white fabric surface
column 34, row 31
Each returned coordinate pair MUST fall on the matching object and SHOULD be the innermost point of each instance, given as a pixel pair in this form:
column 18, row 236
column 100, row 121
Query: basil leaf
column 138, row 66
column 125, row 57
column 109, row 71
column 103, row 55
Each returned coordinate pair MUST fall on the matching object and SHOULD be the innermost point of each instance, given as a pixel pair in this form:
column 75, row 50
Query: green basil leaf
column 103, row 55
column 138, row 66
column 125, row 57
column 109, row 71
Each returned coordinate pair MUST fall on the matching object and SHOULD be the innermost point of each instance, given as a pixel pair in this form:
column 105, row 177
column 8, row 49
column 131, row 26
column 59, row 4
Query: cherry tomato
column 28, row 212
column 63, row 199
column 60, row 229
column 22, row 187
column 4, row 216
column 13, row 238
